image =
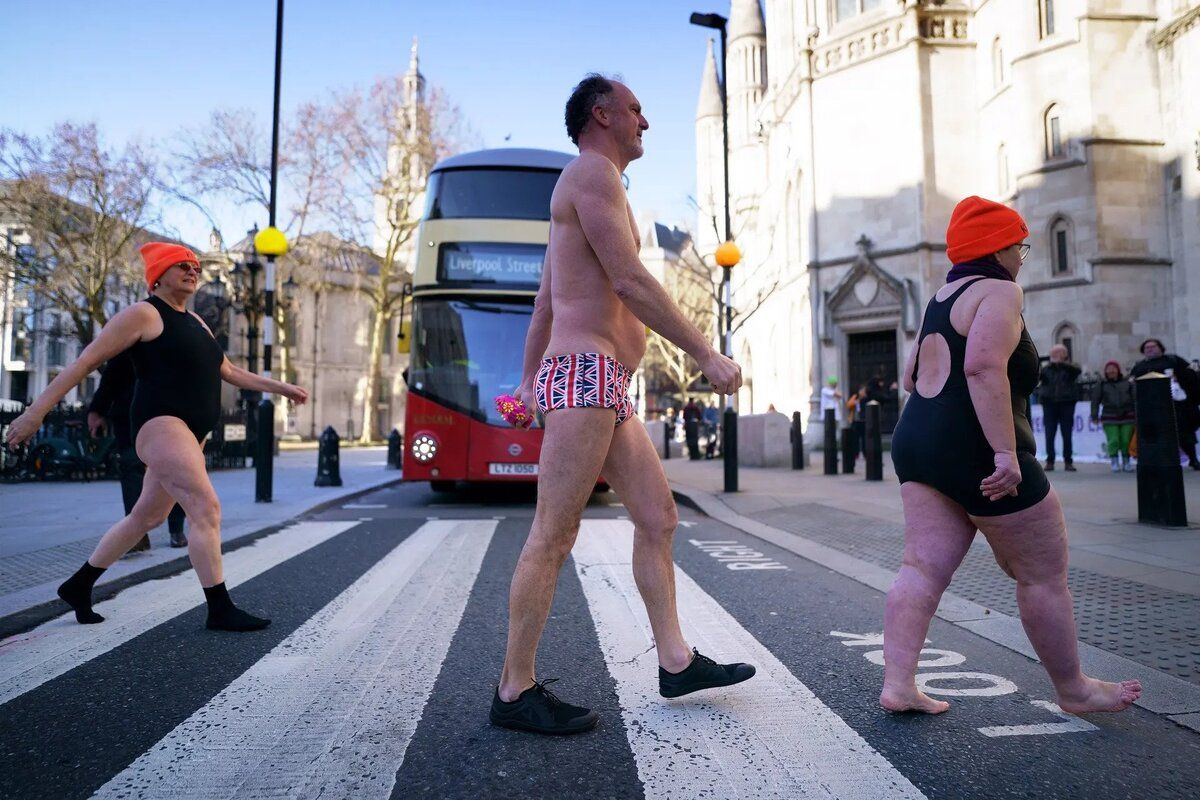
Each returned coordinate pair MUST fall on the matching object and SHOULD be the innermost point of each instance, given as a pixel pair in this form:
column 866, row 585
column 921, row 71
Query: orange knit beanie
column 980, row 227
column 161, row 256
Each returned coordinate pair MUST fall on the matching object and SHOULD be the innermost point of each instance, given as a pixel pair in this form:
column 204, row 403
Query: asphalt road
column 388, row 634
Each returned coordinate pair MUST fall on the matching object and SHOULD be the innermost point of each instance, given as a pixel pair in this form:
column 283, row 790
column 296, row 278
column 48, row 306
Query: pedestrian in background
column 856, row 416
column 712, row 423
column 109, row 408
column 831, row 398
column 1185, row 391
column 1112, row 406
column 691, row 428
column 1058, row 390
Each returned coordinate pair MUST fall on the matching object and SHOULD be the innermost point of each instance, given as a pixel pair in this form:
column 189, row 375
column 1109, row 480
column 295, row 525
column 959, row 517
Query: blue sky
column 147, row 69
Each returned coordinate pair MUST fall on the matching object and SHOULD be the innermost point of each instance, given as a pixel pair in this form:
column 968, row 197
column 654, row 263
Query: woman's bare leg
column 937, row 534
column 148, row 513
column 1031, row 546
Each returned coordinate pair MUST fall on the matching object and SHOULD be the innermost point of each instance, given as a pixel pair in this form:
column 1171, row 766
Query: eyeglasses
column 1023, row 250
column 188, row 266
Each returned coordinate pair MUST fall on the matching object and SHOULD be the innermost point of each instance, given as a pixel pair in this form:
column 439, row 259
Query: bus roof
column 507, row 157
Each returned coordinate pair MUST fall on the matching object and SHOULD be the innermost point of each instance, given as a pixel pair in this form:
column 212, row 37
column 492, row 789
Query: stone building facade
column 856, row 125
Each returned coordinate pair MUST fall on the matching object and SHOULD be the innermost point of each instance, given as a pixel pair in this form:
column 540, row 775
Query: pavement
column 47, row 529
column 388, row 633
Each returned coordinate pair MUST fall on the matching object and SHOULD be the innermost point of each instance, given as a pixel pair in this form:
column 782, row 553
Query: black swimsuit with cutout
column 939, row 441
column 178, row 373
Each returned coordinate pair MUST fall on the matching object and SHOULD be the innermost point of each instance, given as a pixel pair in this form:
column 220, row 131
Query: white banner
column 1087, row 443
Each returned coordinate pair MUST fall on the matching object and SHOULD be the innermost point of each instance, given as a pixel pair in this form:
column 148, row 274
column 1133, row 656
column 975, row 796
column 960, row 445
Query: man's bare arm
column 600, row 205
column 538, row 337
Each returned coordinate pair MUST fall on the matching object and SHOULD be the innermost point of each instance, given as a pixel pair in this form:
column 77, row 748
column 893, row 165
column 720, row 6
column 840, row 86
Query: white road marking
column 1069, row 724
column 995, row 685
column 768, row 738
column 365, row 505
column 30, row 659
column 331, row 710
column 943, row 658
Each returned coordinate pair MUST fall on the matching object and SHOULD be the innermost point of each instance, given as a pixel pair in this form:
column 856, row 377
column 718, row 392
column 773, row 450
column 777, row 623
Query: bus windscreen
column 466, row 352
column 500, row 263
column 490, row 194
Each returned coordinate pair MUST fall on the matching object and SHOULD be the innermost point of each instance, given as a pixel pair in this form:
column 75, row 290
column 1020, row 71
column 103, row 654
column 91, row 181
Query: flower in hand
column 514, row 411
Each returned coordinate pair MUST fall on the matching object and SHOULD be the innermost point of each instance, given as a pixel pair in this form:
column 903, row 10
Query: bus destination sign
column 491, row 262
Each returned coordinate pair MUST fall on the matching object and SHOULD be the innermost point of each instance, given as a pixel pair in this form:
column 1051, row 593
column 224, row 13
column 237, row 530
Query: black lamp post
column 727, row 260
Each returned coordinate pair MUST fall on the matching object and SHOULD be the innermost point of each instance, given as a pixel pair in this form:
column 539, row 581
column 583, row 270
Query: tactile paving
column 1156, row 627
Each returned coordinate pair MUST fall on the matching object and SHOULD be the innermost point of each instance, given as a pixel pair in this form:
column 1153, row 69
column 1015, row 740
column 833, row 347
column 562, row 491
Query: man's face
column 1058, row 354
column 1151, row 350
column 625, row 119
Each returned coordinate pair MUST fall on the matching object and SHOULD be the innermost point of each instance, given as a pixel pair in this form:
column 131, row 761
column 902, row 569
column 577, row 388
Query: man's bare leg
column 573, row 451
column 634, row 471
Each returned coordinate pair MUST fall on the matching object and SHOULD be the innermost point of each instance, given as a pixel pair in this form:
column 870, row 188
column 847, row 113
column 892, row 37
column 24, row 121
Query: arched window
column 1061, row 256
column 997, row 64
column 1053, row 132
column 1002, row 180
column 845, row 9
column 1046, row 17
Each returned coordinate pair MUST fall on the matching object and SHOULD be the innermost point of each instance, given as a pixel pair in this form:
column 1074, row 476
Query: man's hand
column 95, row 422
column 723, row 373
column 526, row 395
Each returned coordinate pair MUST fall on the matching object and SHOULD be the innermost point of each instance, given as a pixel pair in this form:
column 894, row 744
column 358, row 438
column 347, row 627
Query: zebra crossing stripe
column 768, row 738
column 330, row 711
column 30, row 659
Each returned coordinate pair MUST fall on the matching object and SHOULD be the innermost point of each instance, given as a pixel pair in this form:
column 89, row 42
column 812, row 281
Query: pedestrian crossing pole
column 271, row 243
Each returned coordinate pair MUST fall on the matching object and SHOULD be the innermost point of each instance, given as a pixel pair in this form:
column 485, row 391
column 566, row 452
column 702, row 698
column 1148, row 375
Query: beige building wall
column 873, row 127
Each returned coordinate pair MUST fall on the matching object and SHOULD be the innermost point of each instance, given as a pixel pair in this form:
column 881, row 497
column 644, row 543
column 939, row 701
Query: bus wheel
column 442, row 486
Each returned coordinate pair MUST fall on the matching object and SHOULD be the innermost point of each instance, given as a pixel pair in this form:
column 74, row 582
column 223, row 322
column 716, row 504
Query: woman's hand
column 1005, row 479
column 296, row 394
column 22, row 429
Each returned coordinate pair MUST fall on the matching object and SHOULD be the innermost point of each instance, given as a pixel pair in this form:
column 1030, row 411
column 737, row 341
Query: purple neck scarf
column 986, row 267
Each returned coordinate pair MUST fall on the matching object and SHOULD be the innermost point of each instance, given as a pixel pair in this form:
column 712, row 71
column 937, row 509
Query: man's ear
column 600, row 115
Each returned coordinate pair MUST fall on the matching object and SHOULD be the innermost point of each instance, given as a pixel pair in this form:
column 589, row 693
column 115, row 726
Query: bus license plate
column 512, row 469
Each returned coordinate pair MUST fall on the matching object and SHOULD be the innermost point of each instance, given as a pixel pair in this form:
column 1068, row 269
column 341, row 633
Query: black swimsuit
column 938, row 440
column 178, row 373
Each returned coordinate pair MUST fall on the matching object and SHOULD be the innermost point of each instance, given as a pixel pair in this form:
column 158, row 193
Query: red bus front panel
column 467, row 449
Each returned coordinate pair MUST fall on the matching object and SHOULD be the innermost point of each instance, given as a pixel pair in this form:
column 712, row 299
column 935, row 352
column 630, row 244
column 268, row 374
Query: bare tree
column 85, row 207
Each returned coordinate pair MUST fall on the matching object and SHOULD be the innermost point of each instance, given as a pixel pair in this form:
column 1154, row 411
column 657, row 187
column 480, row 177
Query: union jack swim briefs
column 584, row 380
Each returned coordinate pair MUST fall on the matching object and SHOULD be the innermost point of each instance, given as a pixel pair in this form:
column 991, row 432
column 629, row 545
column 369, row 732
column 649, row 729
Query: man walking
column 586, row 337
column 1058, row 392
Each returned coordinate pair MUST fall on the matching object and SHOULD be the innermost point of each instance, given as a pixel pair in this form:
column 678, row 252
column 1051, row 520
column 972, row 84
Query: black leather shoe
column 178, row 539
column 539, row 710
column 702, row 673
column 1070, row 467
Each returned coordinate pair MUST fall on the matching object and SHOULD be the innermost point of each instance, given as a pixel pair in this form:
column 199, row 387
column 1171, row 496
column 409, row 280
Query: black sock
column 223, row 615
column 77, row 592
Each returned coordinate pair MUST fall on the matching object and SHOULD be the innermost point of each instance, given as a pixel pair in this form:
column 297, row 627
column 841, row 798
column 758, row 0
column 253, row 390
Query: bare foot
column 911, row 700
column 1097, row 695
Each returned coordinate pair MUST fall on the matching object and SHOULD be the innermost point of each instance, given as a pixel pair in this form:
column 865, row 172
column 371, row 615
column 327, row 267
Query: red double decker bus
column 480, row 251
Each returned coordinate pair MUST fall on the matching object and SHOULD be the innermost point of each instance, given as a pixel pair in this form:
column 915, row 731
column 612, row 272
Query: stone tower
column 746, row 85
column 710, row 195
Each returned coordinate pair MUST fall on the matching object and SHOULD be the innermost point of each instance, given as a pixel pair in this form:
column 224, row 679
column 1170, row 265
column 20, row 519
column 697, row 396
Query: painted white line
column 30, row 659
column 768, row 738
column 1069, row 724
column 331, row 710
column 365, row 505
column 994, row 684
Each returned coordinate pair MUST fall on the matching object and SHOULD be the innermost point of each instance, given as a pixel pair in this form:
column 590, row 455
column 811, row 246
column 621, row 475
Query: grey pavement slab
column 48, row 529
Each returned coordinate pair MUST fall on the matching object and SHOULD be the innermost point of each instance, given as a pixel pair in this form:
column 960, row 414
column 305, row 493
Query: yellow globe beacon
column 270, row 242
column 728, row 254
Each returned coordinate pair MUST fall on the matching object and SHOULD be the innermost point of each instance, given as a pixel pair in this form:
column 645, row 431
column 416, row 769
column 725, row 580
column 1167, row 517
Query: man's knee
column 659, row 527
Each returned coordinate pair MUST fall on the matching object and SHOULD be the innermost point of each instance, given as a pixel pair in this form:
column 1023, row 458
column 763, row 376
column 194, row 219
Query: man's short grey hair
column 590, row 92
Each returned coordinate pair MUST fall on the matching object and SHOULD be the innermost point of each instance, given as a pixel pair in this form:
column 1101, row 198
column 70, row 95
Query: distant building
column 856, row 125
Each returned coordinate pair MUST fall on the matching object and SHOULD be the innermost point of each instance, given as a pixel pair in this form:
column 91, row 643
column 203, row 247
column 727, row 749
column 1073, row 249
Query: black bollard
column 395, row 445
column 729, row 449
column 830, row 442
column 329, row 470
column 1159, row 475
column 849, row 451
column 667, row 426
column 797, row 441
column 264, row 450
column 873, row 458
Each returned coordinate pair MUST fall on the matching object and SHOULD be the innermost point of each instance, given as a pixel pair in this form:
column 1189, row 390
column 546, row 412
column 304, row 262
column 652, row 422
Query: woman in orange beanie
column 176, row 404
column 966, row 459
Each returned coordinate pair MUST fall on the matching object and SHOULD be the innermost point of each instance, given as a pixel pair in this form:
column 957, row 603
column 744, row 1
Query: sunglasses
column 1023, row 250
column 188, row 266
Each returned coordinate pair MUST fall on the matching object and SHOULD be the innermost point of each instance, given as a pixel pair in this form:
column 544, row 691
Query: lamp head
column 715, row 21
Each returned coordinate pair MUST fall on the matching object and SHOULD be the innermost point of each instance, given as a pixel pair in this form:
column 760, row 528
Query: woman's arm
column 993, row 336
column 244, row 379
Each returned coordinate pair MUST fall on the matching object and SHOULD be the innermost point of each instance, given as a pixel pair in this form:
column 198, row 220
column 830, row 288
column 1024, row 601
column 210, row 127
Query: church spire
column 414, row 63
column 710, row 89
column 746, row 19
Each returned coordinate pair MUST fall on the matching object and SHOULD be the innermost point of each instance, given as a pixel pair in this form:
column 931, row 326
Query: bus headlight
column 424, row 448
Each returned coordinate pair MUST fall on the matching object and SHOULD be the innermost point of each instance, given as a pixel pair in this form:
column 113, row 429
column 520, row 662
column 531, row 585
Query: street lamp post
column 727, row 261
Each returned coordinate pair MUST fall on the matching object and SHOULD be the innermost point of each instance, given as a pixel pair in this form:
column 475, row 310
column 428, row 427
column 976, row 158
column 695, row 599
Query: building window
column 997, row 64
column 1046, row 17
column 56, row 343
column 1053, row 126
column 1002, row 170
column 845, row 9
column 22, row 335
column 1060, row 247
